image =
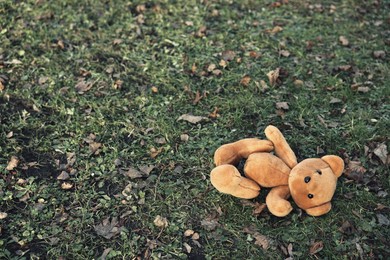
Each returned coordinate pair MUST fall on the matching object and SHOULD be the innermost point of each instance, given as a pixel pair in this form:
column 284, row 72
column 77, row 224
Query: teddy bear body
column 311, row 183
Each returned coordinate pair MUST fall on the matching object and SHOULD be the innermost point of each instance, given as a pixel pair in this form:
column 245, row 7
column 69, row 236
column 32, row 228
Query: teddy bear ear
column 335, row 163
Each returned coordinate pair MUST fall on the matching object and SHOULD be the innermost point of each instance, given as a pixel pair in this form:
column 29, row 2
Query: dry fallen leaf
column 63, row 176
column 273, row 76
column 379, row 54
column 209, row 224
column 83, row 86
column 355, row 171
column 197, row 98
column 191, row 118
column 344, row 41
column 245, row 80
column 381, row 152
column 66, row 186
column 154, row 89
column 189, row 232
column 282, row 105
column 214, row 114
column 211, row 67
column 94, row 147
column 155, row 152
column 187, row 247
column 12, row 163
column 284, row 53
column 276, row 29
column 107, row 228
column 195, row 236
column 160, row 222
column 3, row 215
column 228, row 55
column 363, row 89
column 184, row 137
column 260, row 240
column 1, row 86
column 335, row 100
column 316, row 247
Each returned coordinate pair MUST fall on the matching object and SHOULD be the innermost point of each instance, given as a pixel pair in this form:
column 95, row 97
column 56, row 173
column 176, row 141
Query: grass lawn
column 99, row 154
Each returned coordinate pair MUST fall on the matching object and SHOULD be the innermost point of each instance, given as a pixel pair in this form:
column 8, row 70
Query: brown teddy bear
column 311, row 183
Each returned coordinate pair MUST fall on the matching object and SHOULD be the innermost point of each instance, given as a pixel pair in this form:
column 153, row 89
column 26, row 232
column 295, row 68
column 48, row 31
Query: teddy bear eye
column 310, row 196
column 319, row 172
column 307, row 179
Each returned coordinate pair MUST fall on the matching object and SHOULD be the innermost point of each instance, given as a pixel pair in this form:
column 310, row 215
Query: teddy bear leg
column 232, row 153
column 227, row 179
column 277, row 202
column 282, row 148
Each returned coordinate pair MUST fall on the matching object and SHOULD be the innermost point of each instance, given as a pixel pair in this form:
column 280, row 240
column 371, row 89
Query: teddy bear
column 311, row 183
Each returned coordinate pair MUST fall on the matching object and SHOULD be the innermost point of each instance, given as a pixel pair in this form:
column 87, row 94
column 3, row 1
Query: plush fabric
column 311, row 183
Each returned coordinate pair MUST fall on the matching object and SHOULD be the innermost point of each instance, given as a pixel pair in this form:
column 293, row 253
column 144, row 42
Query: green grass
column 47, row 47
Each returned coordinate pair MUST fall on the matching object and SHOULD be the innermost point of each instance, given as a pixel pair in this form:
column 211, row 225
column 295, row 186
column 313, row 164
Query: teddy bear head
column 312, row 183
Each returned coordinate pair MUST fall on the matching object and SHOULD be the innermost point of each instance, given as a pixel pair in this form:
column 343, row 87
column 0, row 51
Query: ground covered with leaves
column 110, row 112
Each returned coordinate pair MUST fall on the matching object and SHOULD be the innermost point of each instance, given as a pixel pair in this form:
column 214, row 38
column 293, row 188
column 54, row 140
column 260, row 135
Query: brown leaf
column 133, row 173
column 187, row 247
column 1, row 86
column 223, row 63
column 60, row 44
column 197, row 98
column 335, row 100
column 259, row 207
column 66, row 186
column 379, row 54
column 191, row 118
column 228, row 55
column 363, row 89
column 316, row 247
column 117, row 42
column 355, row 171
column 107, row 228
column 214, row 114
column 245, row 80
column 189, row 232
column 63, row 176
column 3, row 215
column 260, row 240
column 184, row 137
column 160, row 222
column 381, row 152
column 276, row 29
column 344, row 41
column 155, row 152
column 347, row 228
column 201, row 32
column 94, row 147
column 344, row 67
column 13, row 163
column 273, row 76
column 282, row 105
column 211, row 67
column 217, row 72
column 284, row 53
column 83, row 86
column 254, row 54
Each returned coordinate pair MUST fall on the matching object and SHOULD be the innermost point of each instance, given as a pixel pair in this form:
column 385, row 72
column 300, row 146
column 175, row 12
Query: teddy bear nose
column 307, row 179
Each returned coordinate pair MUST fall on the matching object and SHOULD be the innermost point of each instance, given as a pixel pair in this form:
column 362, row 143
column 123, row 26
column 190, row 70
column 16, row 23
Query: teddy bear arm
column 227, row 179
column 282, row 148
column 319, row 210
column 232, row 153
column 277, row 202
